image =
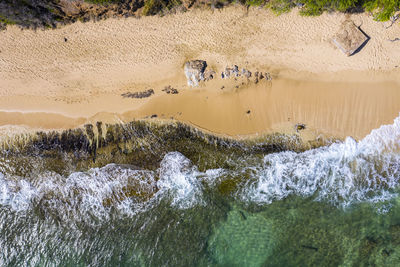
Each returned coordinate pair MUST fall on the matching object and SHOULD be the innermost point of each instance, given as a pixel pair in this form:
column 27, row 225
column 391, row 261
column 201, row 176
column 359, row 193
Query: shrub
column 281, row 6
column 152, row 7
column 382, row 9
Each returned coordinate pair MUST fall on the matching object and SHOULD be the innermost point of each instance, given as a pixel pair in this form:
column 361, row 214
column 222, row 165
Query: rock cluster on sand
column 259, row 76
column 234, row 72
column 170, row 90
column 230, row 72
column 142, row 94
column 195, row 71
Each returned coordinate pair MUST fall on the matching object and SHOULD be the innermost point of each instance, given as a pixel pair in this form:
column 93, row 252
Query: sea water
column 335, row 205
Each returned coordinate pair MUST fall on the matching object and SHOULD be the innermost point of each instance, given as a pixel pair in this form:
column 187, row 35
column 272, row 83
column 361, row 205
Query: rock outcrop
column 234, row 72
column 230, row 72
column 194, row 71
column 350, row 38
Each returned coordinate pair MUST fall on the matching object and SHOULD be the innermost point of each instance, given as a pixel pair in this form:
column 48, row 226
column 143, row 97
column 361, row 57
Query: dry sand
column 46, row 82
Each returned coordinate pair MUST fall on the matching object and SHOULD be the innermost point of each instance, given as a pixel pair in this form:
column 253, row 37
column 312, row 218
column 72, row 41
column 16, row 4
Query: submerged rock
column 194, row 71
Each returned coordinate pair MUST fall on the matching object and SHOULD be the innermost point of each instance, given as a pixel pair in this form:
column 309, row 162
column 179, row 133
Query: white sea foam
column 179, row 178
column 99, row 190
column 342, row 173
column 17, row 194
column 81, row 193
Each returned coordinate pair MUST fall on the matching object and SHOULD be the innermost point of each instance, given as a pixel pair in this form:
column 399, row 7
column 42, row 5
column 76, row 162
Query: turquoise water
column 203, row 205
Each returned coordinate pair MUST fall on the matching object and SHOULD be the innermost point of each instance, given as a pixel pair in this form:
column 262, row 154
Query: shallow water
column 198, row 204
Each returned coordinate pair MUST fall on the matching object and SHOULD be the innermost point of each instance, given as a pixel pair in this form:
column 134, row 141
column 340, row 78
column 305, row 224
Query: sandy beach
column 64, row 78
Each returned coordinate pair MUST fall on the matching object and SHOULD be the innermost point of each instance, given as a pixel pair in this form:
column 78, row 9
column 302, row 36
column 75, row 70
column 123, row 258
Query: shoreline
column 49, row 83
column 331, row 109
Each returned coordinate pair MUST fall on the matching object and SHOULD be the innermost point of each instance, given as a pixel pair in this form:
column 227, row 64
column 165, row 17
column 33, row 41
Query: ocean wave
column 342, row 173
column 96, row 192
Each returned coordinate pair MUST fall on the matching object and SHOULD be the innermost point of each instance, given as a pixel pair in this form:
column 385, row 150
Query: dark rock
column 142, row 94
column 209, row 75
column 299, row 127
column 256, row 76
column 169, row 90
column 153, row 116
column 248, row 112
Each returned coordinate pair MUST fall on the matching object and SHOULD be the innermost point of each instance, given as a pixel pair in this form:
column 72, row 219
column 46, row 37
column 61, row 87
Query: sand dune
column 314, row 83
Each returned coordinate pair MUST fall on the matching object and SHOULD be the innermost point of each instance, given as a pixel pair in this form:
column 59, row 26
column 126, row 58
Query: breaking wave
column 342, row 174
column 95, row 193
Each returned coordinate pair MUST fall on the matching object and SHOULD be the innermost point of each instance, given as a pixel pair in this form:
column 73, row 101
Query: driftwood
column 393, row 19
column 394, row 40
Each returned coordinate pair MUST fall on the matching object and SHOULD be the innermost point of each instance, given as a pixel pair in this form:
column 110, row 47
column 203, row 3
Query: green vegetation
column 281, row 6
column 382, row 9
column 255, row 2
column 152, row 7
column 6, row 20
column 47, row 13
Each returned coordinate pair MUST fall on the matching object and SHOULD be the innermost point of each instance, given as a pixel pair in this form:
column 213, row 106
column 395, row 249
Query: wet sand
column 48, row 83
